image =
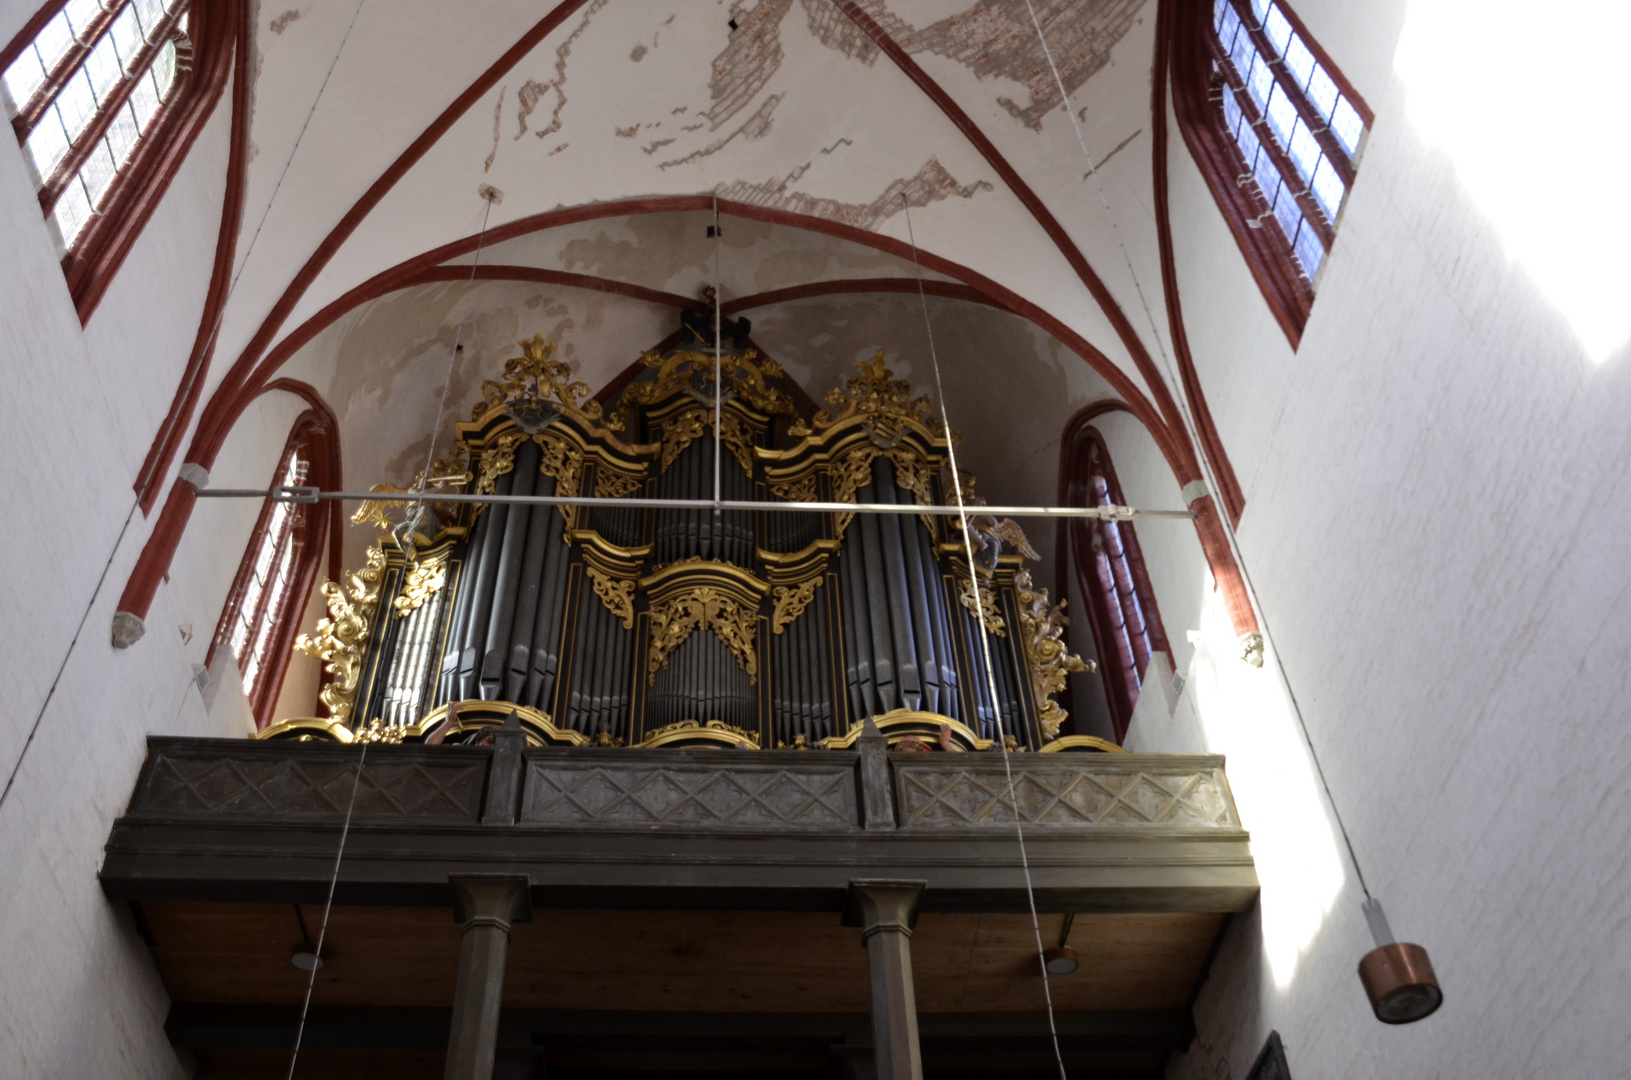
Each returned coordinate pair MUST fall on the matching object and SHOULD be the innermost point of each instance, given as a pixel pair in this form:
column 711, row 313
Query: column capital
column 499, row 900
column 876, row 904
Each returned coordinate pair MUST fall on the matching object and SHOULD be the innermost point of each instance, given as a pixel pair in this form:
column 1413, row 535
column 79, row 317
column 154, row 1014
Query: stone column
column 486, row 906
column 886, row 911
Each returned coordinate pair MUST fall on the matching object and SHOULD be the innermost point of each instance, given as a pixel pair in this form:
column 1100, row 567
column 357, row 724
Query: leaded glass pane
column 97, row 171
column 150, row 12
column 127, row 37
column 46, row 145
column 81, row 13
column 144, row 100
column 23, row 79
column 76, row 104
column 1347, row 126
column 1287, row 212
column 1322, row 92
column 71, row 212
column 1305, row 151
column 102, row 68
column 1328, row 189
column 122, row 134
column 1310, row 251
column 1277, row 29
column 1261, row 81
column 1282, row 115
column 164, row 69
column 1299, row 61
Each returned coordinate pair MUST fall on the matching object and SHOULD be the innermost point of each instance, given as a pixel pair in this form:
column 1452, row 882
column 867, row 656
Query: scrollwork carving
column 673, row 620
column 533, row 386
column 424, row 579
column 681, row 431
column 616, row 594
column 790, row 601
column 1041, row 627
column 985, row 606
column 341, row 638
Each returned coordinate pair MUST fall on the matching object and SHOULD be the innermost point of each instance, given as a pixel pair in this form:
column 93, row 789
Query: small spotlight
column 714, row 233
column 733, row 26
column 1060, row 960
column 307, row 961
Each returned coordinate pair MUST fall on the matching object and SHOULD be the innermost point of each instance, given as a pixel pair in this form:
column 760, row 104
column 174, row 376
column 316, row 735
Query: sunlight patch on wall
column 1528, row 102
column 1247, row 716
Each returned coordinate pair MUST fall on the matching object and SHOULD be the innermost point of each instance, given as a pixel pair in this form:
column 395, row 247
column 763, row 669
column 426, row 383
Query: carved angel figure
column 988, row 536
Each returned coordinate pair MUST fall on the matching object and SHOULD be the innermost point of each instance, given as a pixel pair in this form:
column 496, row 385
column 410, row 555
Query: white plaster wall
column 81, row 996
column 1434, row 527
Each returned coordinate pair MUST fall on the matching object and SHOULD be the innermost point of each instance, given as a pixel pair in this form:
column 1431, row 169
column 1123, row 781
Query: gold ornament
column 341, row 638
column 791, row 600
column 704, row 606
column 424, row 579
column 1041, row 627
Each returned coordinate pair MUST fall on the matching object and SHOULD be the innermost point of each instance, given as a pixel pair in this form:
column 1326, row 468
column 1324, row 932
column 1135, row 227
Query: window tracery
column 1110, row 572
column 273, row 581
column 84, row 93
column 1276, row 130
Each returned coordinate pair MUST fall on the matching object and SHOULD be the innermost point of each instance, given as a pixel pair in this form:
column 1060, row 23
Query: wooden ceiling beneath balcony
column 600, row 992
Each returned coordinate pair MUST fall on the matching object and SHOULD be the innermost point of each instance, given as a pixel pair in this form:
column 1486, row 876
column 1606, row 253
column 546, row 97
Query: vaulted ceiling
column 606, row 130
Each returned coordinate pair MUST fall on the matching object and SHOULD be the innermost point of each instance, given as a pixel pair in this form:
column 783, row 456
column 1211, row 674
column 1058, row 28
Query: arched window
column 105, row 100
column 275, row 578
column 1276, row 129
column 1110, row 572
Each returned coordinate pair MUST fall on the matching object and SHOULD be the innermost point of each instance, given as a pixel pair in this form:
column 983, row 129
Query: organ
column 672, row 626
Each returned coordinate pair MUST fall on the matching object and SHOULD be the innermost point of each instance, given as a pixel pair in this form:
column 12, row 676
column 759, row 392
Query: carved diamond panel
column 1061, row 796
column 558, row 793
column 268, row 785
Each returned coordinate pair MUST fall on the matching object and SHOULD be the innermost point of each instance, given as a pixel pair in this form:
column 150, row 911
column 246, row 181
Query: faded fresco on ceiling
column 993, row 39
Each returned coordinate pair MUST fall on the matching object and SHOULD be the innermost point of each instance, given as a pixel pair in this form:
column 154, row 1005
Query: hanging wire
column 458, row 343
column 719, row 385
column 169, row 427
column 1193, row 432
column 985, row 641
column 328, row 906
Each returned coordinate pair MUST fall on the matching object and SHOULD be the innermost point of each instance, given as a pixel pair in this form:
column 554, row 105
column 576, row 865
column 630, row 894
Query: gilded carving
column 425, row 579
column 681, row 431
column 1041, row 627
column 673, row 620
column 378, row 731
column 687, row 369
column 791, row 600
column 681, row 727
column 852, row 473
column 986, row 606
column 885, row 403
column 558, row 458
column 987, row 537
column 613, row 483
column 534, row 389
column 340, row 638
column 801, row 490
column 617, row 595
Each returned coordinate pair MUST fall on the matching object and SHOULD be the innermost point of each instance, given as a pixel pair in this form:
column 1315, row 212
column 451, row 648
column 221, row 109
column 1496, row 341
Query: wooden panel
column 675, row 961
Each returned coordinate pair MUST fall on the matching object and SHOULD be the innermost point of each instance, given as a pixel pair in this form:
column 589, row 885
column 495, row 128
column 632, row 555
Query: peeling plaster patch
column 627, row 133
column 281, row 23
column 680, row 110
column 996, row 39
column 661, row 251
column 694, row 127
column 756, row 126
column 528, row 96
column 931, row 184
column 833, row 28
column 638, row 54
column 841, row 142
column 656, row 146
column 558, row 149
column 253, row 152
column 558, row 83
column 498, row 113
column 746, row 64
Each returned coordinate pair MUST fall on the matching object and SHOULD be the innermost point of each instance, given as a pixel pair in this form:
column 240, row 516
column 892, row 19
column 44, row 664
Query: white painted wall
column 1435, row 531
column 81, row 996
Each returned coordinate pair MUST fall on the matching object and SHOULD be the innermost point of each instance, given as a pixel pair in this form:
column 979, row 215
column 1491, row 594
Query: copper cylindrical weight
column 1400, row 982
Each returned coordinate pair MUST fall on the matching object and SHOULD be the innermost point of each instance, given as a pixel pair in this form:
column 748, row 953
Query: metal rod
column 299, row 494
